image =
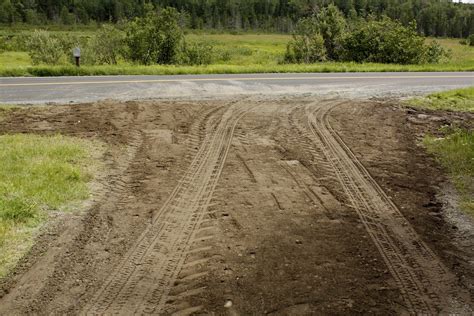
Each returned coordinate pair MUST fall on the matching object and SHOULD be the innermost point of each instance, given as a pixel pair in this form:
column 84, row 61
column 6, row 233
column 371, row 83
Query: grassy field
column 241, row 53
column 455, row 151
column 39, row 175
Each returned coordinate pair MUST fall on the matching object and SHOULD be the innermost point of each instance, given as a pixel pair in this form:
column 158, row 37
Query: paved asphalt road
column 84, row 89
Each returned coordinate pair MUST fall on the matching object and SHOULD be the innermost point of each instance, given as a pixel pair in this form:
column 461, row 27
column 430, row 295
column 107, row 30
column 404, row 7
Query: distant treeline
column 433, row 17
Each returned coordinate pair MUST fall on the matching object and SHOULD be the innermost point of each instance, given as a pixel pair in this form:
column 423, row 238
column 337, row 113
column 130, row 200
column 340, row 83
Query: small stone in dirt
column 228, row 304
column 299, row 242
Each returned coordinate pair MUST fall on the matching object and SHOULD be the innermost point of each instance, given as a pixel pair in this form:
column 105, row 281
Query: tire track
column 426, row 285
column 142, row 281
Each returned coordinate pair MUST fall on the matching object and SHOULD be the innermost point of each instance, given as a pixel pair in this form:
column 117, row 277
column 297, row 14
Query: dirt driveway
column 247, row 206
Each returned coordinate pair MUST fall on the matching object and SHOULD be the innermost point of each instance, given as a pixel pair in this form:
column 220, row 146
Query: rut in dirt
column 142, row 282
column 255, row 201
column 426, row 285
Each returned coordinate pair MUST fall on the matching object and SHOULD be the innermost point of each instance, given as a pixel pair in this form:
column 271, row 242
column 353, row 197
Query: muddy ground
column 249, row 206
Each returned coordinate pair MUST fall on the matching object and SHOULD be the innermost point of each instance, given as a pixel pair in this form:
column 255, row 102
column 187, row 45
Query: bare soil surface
column 249, row 206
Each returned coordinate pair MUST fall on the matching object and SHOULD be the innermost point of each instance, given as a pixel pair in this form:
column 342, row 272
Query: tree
column 332, row 26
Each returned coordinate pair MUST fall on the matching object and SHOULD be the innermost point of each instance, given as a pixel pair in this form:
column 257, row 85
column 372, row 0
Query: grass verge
column 45, row 71
column 456, row 153
column 453, row 100
column 38, row 175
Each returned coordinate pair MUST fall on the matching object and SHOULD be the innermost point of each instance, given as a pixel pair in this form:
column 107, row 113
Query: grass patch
column 456, row 153
column 453, row 100
column 38, row 175
column 45, row 71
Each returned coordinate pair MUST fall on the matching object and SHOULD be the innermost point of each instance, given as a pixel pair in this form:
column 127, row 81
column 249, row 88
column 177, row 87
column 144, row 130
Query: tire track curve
column 142, row 281
column 426, row 285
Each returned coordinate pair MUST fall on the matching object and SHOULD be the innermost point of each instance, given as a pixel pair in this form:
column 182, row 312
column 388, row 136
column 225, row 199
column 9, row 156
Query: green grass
column 66, row 70
column 241, row 53
column 38, row 175
column 456, row 153
column 453, row 100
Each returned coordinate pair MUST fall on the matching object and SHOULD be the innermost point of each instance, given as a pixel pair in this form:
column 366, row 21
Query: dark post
column 78, row 61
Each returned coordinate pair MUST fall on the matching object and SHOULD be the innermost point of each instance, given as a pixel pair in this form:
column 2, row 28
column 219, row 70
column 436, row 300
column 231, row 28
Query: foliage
column 434, row 17
column 105, row 47
column 306, row 47
column 434, row 52
column 470, row 39
column 197, row 54
column 332, row 27
column 318, row 37
column 154, row 38
column 45, row 49
column 388, row 41
column 247, row 53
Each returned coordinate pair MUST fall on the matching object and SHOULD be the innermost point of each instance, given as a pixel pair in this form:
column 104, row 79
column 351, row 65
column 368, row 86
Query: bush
column 155, row 38
column 318, row 37
column 306, row 49
column 105, row 47
column 307, row 44
column 388, row 41
column 197, row 54
column 45, row 49
column 434, row 52
column 470, row 39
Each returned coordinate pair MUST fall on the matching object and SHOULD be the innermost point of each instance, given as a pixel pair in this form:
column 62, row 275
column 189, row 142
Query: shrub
column 434, row 52
column 470, row 39
column 318, row 37
column 388, row 41
column 45, row 49
column 154, row 38
column 105, row 47
column 197, row 54
column 307, row 44
column 306, row 49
